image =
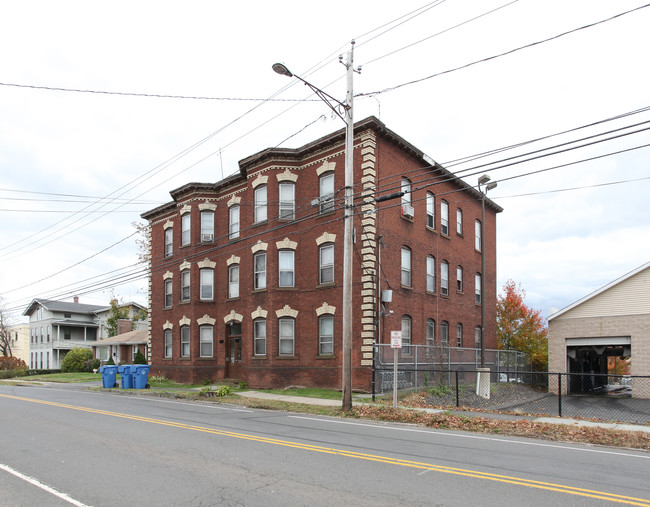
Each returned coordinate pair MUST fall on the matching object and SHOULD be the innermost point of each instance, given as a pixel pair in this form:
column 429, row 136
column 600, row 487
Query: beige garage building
column 613, row 321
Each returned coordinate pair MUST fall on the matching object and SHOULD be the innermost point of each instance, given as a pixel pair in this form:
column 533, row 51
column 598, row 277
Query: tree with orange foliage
column 521, row 328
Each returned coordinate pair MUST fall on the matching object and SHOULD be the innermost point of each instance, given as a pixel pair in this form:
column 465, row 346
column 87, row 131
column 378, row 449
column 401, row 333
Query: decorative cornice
column 169, row 223
column 207, row 206
column 168, row 275
column 207, row 263
column 184, row 321
column 233, row 316
column 286, row 244
column 326, row 167
column 185, row 265
column 287, row 176
column 325, row 308
column 233, row 260
column 259, row 246
column 206, row 319
column 326, row 237
column 185, row 209
column 259, row 313
column 235, row 199
column 260, row 180
column 168, row 325
column 287, row 311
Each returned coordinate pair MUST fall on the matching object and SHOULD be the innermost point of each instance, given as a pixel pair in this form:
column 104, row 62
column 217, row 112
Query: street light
column 483, row 180
column 343, row 111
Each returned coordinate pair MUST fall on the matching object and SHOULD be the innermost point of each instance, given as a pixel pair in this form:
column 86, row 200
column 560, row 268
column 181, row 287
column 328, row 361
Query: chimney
column 76, row 299
column 123, row 326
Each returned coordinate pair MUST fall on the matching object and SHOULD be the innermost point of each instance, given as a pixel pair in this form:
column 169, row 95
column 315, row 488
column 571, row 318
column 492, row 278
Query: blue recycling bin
column 109, row 374
column 125, row 375
column 140, row 375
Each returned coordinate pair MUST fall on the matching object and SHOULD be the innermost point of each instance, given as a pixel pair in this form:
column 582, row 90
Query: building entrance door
column 233, row 350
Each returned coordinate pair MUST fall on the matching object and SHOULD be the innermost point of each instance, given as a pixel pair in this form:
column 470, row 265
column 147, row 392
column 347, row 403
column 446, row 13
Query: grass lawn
column 328, row 394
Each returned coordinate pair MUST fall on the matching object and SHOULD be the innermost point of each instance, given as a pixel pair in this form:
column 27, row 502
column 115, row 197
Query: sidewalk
column 489, row 415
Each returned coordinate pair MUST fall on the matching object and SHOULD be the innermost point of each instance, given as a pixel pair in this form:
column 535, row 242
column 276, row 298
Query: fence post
column 559, row 394
column 416, row 368
column 457, row 400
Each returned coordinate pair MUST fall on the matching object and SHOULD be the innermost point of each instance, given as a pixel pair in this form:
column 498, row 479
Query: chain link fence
column 610, row 398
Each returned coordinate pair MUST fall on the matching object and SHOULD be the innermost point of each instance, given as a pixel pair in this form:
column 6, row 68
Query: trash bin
column 125, row 375
column 140, row 376
column 109, row 373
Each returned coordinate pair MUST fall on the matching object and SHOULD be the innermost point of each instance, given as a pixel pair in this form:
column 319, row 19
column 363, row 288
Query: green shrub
column 110, row 362
column 77, row 359
column 139, row 358
column 96, row 364
column 223, row 391
column 12, row 363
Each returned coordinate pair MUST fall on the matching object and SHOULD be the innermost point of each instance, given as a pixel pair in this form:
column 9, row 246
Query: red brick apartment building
column 246, row 273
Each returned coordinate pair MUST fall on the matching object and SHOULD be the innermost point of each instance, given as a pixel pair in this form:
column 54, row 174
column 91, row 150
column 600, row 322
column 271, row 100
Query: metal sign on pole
column 395, row 344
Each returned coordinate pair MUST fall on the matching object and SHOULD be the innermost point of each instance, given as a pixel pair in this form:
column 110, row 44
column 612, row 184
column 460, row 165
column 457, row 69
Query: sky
column 107, row 107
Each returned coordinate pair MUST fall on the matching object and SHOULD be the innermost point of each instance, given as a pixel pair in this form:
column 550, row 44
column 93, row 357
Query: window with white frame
column 477, row 288
column 259, row 275
column 326, row 335
column 206, row 276
column 185, row 285
column 477, row 235
column 459, row 278
column 431, row 211
column 287, row 338
column 185, row 341
column 326, row 264
column 406, row 334
column 459, row 335
column 431, row 274
column 287, row 206
column 407, row 207
column 260, row 204
column 259, row 337
column 186, row 223
column 233, row 222
column 169, row 241
column 233, row 281
column 286, row 268
column 207, row 226
column 168, row 343
column 406, row 266
column 326, row 193
column 444, row 331
column 168, row 293
column 431, row 332
column 444, row 278
column 444, row 217
column 459, row 221
column 206, row 341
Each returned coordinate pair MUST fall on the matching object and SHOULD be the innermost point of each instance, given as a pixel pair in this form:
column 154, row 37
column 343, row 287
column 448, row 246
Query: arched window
column 431, row 332
column 185, row 285
column 286, row 268
column 406, row 266
column 444, row 217
column 326, row 335
column 185, row 341
column 431, row 273
column 206, row 341
column 326, row 264
column 406, row 334
column 431, row 211
column 444, row 278
column 233, row 281
column 459, row 335
column 259, row 337
column 233, row 222
column 287, row 336
column 260, row 204
column 287, row 206
column 326, row 193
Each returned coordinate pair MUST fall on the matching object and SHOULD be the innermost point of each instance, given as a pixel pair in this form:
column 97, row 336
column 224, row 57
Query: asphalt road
column 62, row 447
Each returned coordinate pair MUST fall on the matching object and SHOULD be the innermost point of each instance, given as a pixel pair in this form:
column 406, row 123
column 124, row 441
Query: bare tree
column 5, row 335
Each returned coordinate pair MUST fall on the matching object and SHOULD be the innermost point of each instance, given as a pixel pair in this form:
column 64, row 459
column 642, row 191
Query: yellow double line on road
column 569, row 490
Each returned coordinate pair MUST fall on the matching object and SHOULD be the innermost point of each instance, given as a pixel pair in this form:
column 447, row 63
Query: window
column 477, row 288
column 207, row 283
column 326, row 195
column 431, row 211
column 233, row 281
column 169, row 242
column 233, row 222
column 260, row 204
column 431, row 274
column 406, row 267
column 326, row 264
column 406, row 334
column 286, row 260
column 459, row 335
column 168, row 343
column 326, row 335
column 431, row 332
column 207, row 226
column 477, row 337
column 444, row 278
column 168, row 293
column 444, row 217
column 287, row 208
column 259, row 337
column 185, row 229
column 444, row 331
column 185, row 341
column 287, row 337
column 206, row 339
column 185, row 285
column 459, row 221
column 459, row 278
column 477, row 235
column 407, row 208
column 259, row 262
